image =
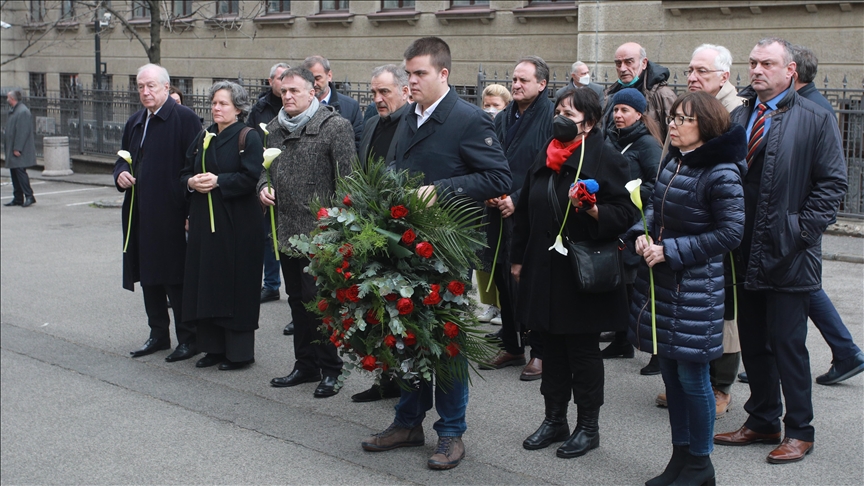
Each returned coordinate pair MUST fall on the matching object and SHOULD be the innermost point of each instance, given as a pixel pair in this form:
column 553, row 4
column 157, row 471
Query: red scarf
column 557, row 153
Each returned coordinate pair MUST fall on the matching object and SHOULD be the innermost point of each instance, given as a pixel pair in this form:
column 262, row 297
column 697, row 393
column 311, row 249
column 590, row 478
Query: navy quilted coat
column 697, row 214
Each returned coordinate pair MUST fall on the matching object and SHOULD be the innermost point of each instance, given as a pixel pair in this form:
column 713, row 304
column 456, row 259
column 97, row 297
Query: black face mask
column 564, row 129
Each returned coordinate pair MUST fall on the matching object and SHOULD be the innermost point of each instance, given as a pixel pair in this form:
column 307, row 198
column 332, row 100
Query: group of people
column 737, row 190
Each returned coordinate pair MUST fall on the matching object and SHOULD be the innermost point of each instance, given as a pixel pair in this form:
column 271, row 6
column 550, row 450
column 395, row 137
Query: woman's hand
column 267, row 197
column 516, row 271
column 505, row 205
column 203, row 183
column 653, row 255
column 642, row 242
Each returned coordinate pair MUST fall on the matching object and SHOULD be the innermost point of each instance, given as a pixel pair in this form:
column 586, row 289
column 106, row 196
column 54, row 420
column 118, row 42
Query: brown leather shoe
column 448, row 454
column 533, row 370
column 394, row 437
column 661, row 400
column 790, row 450
column 503, row 359
column 745, row 436
column 723, row 400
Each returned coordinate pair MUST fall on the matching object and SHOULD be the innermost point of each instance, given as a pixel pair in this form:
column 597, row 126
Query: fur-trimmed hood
column 730, row 146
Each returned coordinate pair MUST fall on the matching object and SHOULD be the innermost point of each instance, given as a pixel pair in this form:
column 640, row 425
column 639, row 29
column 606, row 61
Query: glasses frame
column 679, row 119
column 689, row 71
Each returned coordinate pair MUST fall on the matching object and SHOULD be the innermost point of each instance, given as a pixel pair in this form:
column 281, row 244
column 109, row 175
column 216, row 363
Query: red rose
column 371, row 318
column 347, row 275
column 432, row 299
column 339, row 270
column 345, row 264
column 451, row 330
column 404, row 306
column 391, row 297
column 390, row 341
column 347, row 200
column 424, row 249
column 334, row 338
column 410, row 339
column 398, row 212
column 340, row 295
column 452, row 349
column 322, row 305
column 346, row 323
column 322, row 213
column 456, row 287
column 368, row 362
column 353, row 293
column 409, row 236
column 435, row 288
column 346, row 250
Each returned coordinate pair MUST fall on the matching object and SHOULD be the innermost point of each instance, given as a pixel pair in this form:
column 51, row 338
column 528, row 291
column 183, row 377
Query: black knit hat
column 630, row 97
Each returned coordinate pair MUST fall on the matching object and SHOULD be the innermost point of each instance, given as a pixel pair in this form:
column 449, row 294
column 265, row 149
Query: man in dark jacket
column 268, row 106
column 523, row 129
column 795, row 181
column 20, row 149
column 452, row 143
column 154, row 252
column 580, row 77
column 636, row 71
column 326, row 93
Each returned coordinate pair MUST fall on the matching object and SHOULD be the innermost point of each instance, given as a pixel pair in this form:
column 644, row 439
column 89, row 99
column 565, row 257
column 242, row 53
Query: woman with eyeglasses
column 695, row 216
column 569, row 321
column 637, row 137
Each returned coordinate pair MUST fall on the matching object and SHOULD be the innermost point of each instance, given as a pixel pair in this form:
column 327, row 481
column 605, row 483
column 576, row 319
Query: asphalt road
column 76, row 409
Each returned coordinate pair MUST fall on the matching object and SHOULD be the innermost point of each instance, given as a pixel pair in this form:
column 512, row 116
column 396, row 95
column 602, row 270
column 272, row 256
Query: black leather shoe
column 652, row 368
column 295, row 378
column 289, row 329
column 742, row 377
column 618, row 350
column 387, row 389
column 210, row 359
column 842, row 370
column 29, row 201
column 327, row 387
column 151, row 346
column 268, row 295
column 13, row 203
column 235, row 365
column 183, row 351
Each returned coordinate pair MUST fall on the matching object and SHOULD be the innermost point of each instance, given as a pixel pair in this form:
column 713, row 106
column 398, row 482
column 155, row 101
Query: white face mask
column 492, row 111
column 584, row 80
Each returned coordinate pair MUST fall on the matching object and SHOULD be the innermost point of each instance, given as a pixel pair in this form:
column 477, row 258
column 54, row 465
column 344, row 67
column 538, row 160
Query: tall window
column 67, row 9
column 181, row 8
column 140, row 10
column 227, row 7
column 69, row 85
column 183, row 84
column 278, row 6
column 334, row 5
column 468, row 3
column 37, row 84
column 37, row 11
column 396, row 4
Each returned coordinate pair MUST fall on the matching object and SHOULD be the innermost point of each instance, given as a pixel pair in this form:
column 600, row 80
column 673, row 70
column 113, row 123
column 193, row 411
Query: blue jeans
column 271, row 266
column 450, row 405
column 826, row 319
column 691, row 404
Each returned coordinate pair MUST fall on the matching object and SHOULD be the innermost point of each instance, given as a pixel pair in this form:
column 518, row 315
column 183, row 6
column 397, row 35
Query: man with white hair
column 154, row 236
column 20, row 149
column 580, row 77
column 709, row 71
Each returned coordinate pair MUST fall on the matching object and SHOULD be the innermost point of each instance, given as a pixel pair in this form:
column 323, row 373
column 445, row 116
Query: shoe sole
column 530, row 377
column 375, row 448
column 544, row 445
column 148, row 353
column 845, row 376
column 579, row 454
column 755, row 441
column 787, row 461
column 621, row 356
column 516, row 362
column 441, row 466
column 274, row 385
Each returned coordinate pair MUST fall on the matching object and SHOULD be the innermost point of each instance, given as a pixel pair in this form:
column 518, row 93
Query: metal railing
column 93, row 119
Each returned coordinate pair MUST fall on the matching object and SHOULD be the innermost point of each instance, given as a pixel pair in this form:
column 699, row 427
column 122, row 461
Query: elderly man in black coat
column 153, row 234
column 20, row 149
column 326, row 93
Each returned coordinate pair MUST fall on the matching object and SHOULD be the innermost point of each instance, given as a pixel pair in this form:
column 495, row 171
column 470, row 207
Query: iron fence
column 94, row 119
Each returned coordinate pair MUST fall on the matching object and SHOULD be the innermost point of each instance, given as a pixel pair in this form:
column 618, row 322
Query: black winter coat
column 349, row 108
column 264, row 111
column 548, row 300
column 803, row 180
column 157, row 245
column 643, row 152
column 697, row 215
column 223, row 268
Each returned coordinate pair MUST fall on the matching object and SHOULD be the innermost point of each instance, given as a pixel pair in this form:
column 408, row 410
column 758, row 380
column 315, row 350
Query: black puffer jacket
column 697, row 214
column 643, row 152
column 803, row 180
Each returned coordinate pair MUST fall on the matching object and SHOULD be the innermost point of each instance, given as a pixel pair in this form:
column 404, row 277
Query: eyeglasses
column 701, row 72
column 679, row 119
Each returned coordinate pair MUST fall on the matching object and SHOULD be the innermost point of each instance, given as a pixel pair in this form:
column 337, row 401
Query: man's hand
column 267, row 196
column 492, row 203
column 505, row 205
column 203, row 183
column 125, row 180
column 516, row 271
column 16, row 153
column 425, row 191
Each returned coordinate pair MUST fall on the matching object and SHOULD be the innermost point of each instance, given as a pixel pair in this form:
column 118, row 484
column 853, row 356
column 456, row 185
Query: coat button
column 283, row 147
column 459, row 190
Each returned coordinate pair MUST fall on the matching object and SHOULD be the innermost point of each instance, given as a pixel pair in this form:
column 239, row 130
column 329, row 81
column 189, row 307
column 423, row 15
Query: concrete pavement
column 76, row 409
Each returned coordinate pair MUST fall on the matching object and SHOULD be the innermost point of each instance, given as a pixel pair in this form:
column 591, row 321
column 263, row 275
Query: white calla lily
column 633, row 188
column 264, row 128
column 207, row 137
column 559, row 246
column 270, row 155
column 125, row 155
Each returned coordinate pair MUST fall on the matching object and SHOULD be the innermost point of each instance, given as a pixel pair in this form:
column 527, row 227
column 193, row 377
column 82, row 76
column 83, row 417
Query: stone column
column 55, row 154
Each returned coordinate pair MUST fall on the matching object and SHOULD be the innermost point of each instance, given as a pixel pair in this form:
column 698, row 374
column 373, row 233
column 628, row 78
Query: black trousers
column 237, row 346
column 572, row 362
column 156, row 306
column 312, row 350
column 20, row 184
column 772, row 327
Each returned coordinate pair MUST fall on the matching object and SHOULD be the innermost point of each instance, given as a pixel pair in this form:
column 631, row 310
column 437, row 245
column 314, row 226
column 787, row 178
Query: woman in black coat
column 570, row 321
column 224, row 261
column 695, row 217
column 637, row 137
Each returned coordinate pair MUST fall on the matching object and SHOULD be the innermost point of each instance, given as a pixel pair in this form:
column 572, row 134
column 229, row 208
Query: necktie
column 756, row 133
column 146, row 124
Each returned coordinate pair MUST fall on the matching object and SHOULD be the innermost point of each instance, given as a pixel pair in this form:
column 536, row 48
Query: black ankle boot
column 585, row 437
column 553, row 429
column 698, row 471
column 676, row 464
column 618, row 349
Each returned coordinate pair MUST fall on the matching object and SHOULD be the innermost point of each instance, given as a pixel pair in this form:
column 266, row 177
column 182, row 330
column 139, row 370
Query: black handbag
column 597, row 266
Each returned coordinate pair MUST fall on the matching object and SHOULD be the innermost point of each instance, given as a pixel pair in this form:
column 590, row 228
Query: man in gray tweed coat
column 20, row 150
column 317, row 147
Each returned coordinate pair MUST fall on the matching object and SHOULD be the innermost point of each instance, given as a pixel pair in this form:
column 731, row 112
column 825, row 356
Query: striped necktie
column 756, row 133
